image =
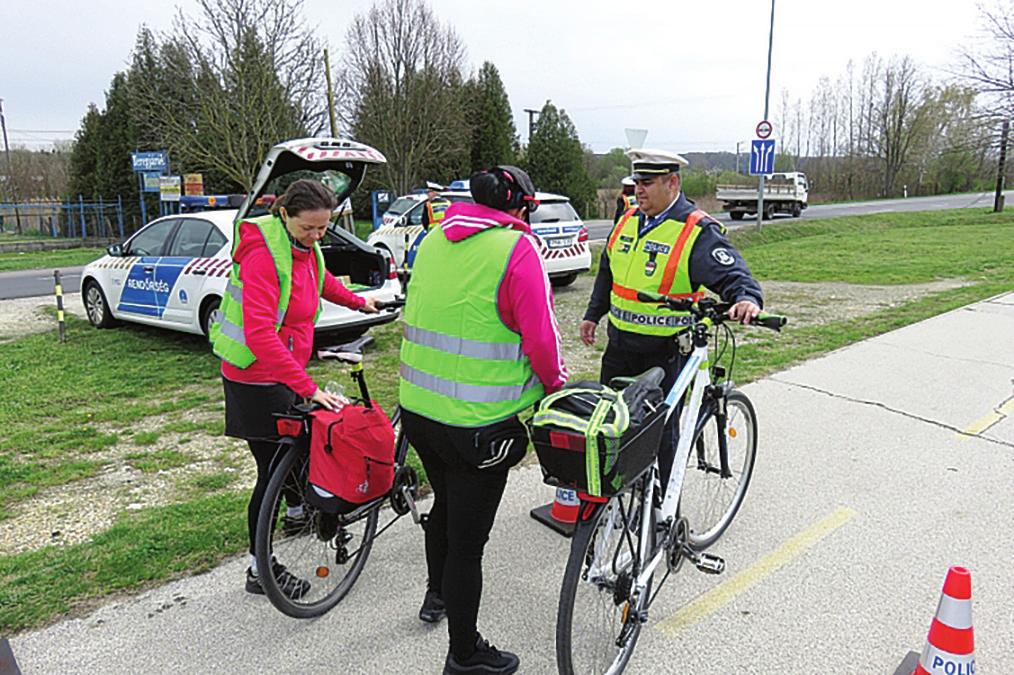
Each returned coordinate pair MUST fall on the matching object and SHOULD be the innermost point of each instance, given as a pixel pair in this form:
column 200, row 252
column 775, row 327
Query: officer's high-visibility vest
column 460, row 365
column 629, row 202
column 228, row 341
column 657, row 263
column 435, row 209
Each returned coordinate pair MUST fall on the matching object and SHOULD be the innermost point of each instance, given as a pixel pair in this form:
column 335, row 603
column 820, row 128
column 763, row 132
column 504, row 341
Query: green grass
column 363, row 229
column 32, row 260
column 94, row 388
column 158, row 460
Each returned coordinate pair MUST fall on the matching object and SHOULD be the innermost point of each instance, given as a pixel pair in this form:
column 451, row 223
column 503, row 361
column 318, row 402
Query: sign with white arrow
column 762, row 157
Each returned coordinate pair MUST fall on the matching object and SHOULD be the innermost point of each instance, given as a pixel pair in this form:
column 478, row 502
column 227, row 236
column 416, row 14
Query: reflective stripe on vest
column 630, row 202
column 460, row 365
column 636, row 262
column 227, row 335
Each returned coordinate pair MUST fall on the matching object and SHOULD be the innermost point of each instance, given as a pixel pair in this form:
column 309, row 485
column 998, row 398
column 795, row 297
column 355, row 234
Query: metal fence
column 69, row 219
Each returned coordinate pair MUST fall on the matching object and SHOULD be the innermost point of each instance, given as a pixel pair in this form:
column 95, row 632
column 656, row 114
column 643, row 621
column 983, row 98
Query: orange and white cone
column 565, row 506
column 950, row 646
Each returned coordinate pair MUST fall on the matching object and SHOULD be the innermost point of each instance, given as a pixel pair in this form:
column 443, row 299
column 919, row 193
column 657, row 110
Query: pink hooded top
column 281, row 356
column 525, row 298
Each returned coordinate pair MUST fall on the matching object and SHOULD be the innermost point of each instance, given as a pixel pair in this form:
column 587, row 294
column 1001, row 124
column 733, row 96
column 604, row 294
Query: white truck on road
column 783, row 193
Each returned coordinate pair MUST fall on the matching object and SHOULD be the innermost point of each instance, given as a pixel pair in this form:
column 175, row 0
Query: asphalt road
column 599, row 229
column 865, row 492
column 31, row 283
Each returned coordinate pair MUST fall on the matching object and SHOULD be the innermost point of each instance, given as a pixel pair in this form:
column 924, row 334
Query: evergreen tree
column 114, row 175
column 85, row 156
column 555, row 159
column 488, row 113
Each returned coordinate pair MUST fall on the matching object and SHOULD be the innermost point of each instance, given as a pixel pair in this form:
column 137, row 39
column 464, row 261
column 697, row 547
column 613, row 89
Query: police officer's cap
column 628, row 181
column 645, row 164
column 430, row 185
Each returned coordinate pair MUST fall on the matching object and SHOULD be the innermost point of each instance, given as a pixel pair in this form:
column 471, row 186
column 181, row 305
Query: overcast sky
column 690, row 72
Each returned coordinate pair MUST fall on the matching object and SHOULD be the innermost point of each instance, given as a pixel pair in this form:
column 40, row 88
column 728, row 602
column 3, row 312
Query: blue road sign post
column 762, row 157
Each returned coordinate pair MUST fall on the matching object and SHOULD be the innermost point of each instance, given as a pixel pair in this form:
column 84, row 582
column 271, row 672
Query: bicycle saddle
column 351, row 352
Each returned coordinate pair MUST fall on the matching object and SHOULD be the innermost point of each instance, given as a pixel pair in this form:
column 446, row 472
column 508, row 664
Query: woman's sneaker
column 433, row 609
column 487, row 660
column 290, row 584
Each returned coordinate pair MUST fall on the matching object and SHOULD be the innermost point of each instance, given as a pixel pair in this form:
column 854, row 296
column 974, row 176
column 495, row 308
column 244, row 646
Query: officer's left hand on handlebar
column 744, row 311
column 370, row 307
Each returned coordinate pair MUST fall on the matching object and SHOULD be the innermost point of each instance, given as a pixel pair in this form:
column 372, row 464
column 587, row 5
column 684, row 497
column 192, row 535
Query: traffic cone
column 950, row 646
column 561, row 515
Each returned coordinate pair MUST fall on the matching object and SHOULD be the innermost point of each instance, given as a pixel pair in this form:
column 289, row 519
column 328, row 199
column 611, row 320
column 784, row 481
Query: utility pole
column 10, row 167
column 330, row 95
column 767, row 94
column 737, row 157
column 1001, row 170
column 531, row 122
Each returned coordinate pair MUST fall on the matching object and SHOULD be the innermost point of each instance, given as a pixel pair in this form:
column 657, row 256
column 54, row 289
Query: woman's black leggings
column 264, row 453
column 464, row 507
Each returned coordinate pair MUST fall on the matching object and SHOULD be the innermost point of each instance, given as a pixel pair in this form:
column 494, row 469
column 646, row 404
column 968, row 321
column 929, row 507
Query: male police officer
column 435, row 204
column 666, row 245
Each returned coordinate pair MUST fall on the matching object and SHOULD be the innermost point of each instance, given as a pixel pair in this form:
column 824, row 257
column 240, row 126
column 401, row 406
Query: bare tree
column 224, row 87
column 902, row 116
column 987, row 63
column 401, row 82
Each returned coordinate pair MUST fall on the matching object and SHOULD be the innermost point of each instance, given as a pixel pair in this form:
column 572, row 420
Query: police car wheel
column 96, row 306
column 206, row 316
column 565, row 280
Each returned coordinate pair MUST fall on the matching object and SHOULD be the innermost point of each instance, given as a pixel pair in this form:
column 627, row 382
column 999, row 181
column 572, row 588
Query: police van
column 562, row 235
column 173, row 272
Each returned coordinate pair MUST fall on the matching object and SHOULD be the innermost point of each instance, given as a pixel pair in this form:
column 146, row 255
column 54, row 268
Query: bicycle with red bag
column 342, row 467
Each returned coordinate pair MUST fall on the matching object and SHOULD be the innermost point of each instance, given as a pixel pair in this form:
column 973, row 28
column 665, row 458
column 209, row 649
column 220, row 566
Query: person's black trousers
column 464, row 507
column 622, row 361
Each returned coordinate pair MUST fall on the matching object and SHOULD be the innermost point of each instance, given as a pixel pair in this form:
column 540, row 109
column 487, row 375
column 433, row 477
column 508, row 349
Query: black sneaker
column 293, row 525
column 487, row 659
column 291, row 585
column 433, row 609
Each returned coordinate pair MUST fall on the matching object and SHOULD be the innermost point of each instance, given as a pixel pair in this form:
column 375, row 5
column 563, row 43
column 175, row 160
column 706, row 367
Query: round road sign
column 763, row 129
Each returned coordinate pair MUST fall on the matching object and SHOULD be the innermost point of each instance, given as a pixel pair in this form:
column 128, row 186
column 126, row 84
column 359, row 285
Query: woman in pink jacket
column 277, row 378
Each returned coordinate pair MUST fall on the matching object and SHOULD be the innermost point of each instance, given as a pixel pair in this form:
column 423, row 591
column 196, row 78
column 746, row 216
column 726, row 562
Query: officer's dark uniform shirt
column 714, row 264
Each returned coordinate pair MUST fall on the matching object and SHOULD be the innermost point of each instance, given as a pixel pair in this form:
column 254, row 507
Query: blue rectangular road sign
column 150, row 161
column 762, row 157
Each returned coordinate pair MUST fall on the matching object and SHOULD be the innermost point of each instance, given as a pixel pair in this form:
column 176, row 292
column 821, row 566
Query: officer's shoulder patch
column 722, row 256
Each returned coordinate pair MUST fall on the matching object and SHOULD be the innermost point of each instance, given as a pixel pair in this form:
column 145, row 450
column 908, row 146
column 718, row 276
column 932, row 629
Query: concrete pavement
column 865, row 492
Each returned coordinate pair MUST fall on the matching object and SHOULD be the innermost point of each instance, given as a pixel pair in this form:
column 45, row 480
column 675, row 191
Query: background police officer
column 669, row 246
column 626, row 200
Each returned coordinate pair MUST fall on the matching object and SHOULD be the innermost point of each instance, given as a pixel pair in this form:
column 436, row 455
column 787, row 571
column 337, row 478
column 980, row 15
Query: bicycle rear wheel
column 597, row 622
column 325, row 556
column 710, row 501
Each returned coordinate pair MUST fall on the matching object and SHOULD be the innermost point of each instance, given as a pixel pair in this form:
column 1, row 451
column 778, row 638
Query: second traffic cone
column 950, row 646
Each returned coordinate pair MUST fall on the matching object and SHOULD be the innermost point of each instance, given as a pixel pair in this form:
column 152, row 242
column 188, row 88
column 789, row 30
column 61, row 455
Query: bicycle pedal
column 709, row 564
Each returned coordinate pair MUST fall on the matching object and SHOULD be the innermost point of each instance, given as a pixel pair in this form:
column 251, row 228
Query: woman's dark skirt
column 250, row 408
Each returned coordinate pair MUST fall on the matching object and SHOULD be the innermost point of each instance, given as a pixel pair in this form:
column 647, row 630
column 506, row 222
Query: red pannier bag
column 351, row 457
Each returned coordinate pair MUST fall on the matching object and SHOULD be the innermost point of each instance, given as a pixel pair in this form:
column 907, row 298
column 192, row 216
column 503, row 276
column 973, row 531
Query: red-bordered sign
column 763, row 129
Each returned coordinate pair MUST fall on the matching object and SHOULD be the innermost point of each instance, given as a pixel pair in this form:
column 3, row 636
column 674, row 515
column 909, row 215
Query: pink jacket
column 525, row 298
column 281, row 356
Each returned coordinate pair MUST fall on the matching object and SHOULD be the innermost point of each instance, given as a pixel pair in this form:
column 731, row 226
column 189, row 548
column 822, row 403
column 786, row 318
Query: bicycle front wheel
column 709, row 501
column 307, row 566
column 597, row 623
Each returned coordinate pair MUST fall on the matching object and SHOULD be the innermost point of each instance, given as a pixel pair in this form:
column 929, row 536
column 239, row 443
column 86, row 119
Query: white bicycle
column 622, row 541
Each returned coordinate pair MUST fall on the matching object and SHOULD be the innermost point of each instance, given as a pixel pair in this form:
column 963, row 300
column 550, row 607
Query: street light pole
column 767, row 95
column 531, row 122
column 10, row 167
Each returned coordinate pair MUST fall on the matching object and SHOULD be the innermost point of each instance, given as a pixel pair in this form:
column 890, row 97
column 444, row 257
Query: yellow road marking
column 751, row 576
column 986, row 421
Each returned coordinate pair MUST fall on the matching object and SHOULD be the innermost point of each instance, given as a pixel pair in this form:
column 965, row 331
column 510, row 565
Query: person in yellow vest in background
column 436, row 205
column 481, row 344
column 664, row 245
column 627, row 200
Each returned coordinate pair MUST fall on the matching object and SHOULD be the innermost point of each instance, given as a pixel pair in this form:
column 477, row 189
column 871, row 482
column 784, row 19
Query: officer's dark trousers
column 464, row 506
column 622, row 360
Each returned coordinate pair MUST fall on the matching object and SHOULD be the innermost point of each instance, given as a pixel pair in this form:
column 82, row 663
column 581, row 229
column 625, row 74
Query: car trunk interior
column 359, row 269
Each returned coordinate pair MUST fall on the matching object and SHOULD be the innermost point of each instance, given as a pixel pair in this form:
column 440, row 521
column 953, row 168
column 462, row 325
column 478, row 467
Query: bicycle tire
column 295, row 463
column 708, row 515
column 574, row 578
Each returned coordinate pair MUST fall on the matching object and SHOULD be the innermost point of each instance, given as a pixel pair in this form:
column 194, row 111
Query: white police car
column 173, row 272
column 562, row 235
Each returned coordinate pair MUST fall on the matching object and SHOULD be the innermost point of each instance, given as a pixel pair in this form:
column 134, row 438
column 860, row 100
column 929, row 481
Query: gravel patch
column 24, row 316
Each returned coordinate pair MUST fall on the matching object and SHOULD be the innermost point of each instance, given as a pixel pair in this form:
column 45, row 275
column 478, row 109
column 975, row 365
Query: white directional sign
column 762, row 157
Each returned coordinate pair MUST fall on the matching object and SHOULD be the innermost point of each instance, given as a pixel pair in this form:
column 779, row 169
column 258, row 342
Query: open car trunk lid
column 340, row 165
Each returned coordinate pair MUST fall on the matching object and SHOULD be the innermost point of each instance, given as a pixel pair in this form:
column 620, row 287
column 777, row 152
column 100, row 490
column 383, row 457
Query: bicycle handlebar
column 707, row 308
column 391, row 304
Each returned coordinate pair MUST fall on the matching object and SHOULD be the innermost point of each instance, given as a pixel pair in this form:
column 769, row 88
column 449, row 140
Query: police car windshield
column 553, row 212
column 401, row 205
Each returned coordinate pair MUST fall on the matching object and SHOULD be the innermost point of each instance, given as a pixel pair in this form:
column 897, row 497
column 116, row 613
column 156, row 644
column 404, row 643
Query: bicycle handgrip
column 772, row 321
column 391, row 304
